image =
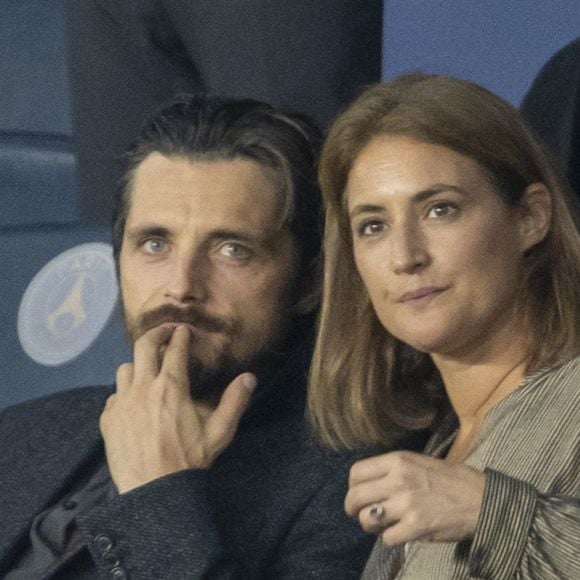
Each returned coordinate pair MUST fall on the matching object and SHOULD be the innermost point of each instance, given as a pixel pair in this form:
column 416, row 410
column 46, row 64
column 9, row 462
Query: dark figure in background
column 199, row 465
column 127, row 57
column 552, row 107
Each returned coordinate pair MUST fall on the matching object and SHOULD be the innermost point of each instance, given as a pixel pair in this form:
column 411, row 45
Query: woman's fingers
column 415, row 497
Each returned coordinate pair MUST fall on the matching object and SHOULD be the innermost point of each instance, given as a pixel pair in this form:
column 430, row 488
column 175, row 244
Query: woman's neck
column 474, row 391
column 478, row 381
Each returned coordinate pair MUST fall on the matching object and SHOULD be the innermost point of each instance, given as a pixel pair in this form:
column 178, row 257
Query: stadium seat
column 37, row 180
column 60, row 311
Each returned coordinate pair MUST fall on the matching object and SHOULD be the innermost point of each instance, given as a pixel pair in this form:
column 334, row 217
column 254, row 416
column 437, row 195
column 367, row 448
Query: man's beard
column 207, row 382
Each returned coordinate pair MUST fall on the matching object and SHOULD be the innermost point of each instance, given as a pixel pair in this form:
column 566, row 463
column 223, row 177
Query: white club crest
column 67, row 304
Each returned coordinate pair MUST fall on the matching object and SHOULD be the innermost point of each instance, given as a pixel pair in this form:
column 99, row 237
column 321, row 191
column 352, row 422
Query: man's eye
column 440, row 210
column 370, row 228
column 235, row 251
column 154, row 246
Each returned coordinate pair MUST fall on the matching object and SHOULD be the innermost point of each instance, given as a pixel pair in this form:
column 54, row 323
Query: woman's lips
column 420, row 295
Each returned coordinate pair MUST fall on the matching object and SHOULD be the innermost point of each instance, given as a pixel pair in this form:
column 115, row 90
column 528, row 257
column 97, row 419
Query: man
column 201, row 466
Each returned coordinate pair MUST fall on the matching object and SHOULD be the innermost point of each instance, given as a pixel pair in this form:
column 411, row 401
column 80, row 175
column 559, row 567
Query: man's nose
column 408, row 248
column 187, row 279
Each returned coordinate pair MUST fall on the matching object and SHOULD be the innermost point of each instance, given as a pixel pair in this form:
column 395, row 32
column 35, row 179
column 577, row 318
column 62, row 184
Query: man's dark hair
column 205, row 128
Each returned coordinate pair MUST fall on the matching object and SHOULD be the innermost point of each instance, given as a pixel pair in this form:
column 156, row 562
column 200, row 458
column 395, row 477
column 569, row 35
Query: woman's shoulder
column 561, row 381
column 533, row 434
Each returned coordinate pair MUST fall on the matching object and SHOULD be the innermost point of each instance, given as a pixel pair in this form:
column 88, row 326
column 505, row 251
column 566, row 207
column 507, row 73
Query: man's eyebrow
column 231, row 234
column 418, row 197
column 147, row 231
column 154, row 231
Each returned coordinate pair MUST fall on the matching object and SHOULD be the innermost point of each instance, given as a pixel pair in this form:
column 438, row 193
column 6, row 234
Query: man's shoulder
column 58, row 406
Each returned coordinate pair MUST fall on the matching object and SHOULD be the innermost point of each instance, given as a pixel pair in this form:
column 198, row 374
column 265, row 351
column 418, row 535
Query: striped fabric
column 529, row 525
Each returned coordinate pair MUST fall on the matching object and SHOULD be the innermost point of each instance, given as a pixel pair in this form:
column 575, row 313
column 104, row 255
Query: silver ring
column 377, row 511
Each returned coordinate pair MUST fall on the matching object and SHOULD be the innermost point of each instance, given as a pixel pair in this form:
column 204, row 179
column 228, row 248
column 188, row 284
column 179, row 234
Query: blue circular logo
column 67, row 304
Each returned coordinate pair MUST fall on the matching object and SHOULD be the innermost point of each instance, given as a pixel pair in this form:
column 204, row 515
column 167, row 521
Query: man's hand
column 407, row 496
column 151, row 426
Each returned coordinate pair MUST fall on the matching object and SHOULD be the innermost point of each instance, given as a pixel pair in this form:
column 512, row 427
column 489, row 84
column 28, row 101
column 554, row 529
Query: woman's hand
column 407, row 496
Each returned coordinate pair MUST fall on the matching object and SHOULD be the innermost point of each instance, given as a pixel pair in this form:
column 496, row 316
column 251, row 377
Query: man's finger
column 110, row 401
column 147, row 353
column 223, row 422
column 174, row 365
column 124, row 377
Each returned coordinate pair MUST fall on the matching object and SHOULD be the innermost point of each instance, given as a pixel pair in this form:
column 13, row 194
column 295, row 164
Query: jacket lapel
column 46, row 446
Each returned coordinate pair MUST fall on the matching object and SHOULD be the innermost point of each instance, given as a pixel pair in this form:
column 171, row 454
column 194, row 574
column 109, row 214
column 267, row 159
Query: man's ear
column 535, row 215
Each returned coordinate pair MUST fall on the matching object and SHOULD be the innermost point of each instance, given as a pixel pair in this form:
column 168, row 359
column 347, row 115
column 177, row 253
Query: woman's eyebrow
column 425, row 194
column 418, row 197
column 365, row 208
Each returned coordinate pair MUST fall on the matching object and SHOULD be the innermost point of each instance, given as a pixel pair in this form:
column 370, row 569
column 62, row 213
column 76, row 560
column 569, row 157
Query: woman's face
column 438, row 251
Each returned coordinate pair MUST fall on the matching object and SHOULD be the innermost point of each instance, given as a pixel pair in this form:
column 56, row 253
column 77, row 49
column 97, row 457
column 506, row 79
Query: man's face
column 202, row 246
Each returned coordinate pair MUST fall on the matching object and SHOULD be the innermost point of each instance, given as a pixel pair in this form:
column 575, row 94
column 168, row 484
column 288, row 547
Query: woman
column 452, row 303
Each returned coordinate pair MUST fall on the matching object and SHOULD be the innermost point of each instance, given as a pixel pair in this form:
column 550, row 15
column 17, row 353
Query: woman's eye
column 440, row 210
column 235, row 251
column 155, row 246
column 370, row 228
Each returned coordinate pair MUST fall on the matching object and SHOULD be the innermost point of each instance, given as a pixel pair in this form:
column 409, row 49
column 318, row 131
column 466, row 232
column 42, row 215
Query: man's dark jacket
column 270, row 507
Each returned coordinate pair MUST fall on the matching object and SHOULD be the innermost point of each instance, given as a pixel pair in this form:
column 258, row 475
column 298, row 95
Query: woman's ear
column 535, row 215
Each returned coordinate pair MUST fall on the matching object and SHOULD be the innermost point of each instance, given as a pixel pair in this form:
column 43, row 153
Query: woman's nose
column 408, row 249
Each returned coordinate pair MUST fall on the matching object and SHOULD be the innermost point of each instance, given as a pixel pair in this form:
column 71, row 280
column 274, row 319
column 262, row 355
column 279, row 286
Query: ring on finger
column 377, row 511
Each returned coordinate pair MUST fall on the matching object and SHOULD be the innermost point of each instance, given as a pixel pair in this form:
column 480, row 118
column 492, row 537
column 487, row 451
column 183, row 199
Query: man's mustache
column 187, row 315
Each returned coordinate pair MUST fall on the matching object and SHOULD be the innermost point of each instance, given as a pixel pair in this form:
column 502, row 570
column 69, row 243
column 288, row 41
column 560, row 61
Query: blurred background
column 61, row 322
